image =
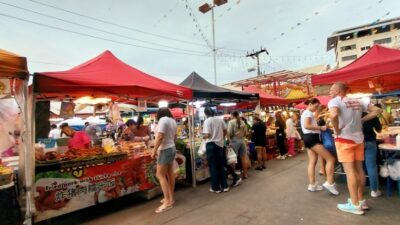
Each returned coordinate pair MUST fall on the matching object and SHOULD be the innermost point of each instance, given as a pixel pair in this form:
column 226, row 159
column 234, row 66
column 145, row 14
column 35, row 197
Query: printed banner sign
column 67, row 189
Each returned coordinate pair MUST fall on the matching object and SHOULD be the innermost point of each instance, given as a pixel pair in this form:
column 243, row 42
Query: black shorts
column 310, row 140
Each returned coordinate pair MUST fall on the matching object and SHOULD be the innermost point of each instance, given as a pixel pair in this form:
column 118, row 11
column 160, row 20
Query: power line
column 48, row 63
column 257, row 56
column 114, row 24
column 96, row 37
column 97, row 29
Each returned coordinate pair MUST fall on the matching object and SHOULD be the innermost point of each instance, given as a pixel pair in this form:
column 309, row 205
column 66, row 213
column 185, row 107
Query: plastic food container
column 48, row 142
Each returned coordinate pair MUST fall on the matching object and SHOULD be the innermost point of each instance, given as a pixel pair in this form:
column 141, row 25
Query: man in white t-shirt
column 346, row 118
column 55, row 132
column 214, row 131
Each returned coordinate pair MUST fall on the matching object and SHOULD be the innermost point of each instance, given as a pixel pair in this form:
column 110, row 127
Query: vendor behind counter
column 129, row 132
column 78, row 139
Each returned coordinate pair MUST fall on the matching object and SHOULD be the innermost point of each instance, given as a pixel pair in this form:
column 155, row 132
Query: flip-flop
column 163, row 208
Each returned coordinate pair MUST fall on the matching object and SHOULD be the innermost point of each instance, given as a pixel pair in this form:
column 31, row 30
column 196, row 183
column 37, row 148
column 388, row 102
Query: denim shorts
column 239, row 147
column 166, row 156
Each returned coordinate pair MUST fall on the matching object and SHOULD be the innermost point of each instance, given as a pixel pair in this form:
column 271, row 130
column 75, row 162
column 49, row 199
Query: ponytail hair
column 312, row 101
column 236, row 115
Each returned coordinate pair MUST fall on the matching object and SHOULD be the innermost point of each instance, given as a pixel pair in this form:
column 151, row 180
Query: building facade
column 349, row 44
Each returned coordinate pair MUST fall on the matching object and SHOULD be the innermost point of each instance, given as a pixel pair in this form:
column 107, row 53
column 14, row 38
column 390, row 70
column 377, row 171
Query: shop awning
column 106, row 75
column 266, row 99
column 12, row 65
column 377, row 69
column 390, row 94
column 296, row 95
column 202, row 89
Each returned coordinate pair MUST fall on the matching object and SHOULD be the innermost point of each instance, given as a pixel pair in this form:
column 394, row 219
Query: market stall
column 391, row 107
column 378, row 70
column 265, row 98
column 205, row 92
column 15, row 139
column 69, row 179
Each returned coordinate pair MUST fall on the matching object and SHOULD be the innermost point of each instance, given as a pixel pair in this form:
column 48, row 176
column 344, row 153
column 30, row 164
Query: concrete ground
column 277, row 195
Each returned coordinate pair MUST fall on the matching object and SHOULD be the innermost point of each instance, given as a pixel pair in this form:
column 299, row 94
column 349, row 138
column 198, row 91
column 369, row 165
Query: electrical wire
column 48, row 63
column 97, row 29
column 99, row 38
column 118, row 25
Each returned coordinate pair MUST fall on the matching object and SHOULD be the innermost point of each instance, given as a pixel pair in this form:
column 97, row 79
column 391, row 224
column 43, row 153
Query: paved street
column 275, row 196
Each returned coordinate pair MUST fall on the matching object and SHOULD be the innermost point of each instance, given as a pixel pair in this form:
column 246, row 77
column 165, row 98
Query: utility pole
column 205, row 8
column 256, row 55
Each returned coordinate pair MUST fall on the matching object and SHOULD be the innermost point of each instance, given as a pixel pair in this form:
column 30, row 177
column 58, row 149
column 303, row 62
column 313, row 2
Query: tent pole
column 29, row 158
column 191, row 143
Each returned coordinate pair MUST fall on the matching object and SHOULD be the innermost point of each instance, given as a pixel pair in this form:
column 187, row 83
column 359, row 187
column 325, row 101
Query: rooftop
column 333, row 39
column 282, row 76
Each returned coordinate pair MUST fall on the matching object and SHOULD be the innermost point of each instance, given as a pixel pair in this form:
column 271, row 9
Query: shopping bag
column 328, row 141
column 202, row 149
column 231, row 157
column 394, row 170
column 384, row 170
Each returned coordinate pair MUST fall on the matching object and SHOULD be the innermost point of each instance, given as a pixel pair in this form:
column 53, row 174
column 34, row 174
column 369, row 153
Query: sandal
column 162, row 201
column 163, row 208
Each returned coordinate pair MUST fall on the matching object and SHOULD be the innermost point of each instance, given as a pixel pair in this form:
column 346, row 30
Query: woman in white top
column 291, row 134
column 315, row 148
column 165, row 150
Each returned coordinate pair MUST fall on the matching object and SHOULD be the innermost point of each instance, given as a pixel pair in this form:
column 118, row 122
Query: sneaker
column 225, row 189
column 279, row 157
column 290, row 155
column 264, row 167
column 331, row 188
column 259, row 168
column 350, row 208
column 376, row 194
column 363, row 204
column 236, row 182
column 212, row 191
column 315, row 187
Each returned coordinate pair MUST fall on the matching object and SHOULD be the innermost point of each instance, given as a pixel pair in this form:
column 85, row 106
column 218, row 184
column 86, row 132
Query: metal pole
column 214, row 50
column 258, row 66
column 193, row 150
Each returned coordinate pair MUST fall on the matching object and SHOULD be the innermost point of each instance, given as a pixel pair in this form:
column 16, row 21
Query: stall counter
column 63, row 187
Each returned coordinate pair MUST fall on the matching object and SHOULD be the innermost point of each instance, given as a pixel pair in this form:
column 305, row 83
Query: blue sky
column 293, row 32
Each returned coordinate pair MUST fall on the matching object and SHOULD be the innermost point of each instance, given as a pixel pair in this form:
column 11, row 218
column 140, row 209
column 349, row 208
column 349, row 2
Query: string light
column 197, row 24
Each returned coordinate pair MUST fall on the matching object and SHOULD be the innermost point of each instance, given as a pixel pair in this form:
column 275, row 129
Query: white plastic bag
column 231, row 156
column 202, row 149
column 394, row 170
column 384, row 171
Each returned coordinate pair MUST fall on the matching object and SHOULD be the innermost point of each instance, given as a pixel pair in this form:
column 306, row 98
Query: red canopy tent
column 323, row 99
column 266, row 99
column 106, row 75
column 377, row 70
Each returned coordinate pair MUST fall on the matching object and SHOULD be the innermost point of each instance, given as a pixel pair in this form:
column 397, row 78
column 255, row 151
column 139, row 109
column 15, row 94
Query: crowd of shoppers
column 344, row 131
